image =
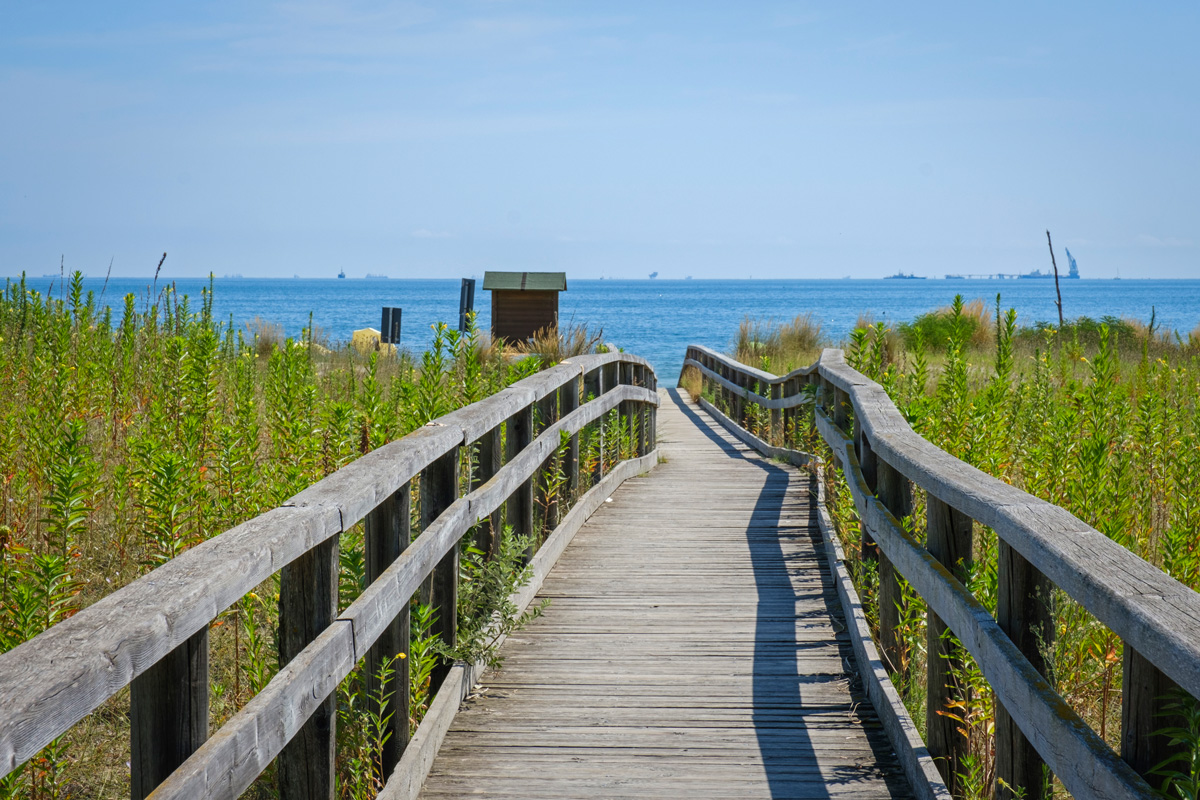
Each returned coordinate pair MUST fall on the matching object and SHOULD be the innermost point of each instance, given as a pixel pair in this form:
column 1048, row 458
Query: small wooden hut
column 523, row 302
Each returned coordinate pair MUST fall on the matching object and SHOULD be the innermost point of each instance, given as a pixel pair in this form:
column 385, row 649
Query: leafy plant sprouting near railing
column 1105, row 430
column 127, row 436
column 423, row 657
column 363, row 727
column 486, row 612
column 1182, row 770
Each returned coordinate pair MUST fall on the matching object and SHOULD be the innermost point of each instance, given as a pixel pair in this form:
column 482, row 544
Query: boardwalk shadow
column 798, row 707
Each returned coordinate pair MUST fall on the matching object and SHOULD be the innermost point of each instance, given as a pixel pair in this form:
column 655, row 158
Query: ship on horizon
column 1073, row 273
column 900, row 276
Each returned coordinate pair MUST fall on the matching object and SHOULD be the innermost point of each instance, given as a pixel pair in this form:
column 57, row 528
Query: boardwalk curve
column 694, row 646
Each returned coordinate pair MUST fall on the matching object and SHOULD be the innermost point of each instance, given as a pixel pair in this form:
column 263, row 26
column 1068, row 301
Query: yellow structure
column 367, row 340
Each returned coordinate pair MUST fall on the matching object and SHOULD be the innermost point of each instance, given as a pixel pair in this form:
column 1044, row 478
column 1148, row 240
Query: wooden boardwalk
column 694, row 647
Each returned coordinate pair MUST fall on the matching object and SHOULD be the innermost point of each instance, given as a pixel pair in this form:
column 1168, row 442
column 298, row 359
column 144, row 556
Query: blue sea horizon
column 657, row 318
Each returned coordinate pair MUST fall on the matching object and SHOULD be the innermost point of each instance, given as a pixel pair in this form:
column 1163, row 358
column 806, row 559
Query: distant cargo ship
column 900, row 276
column 342, row 274
column 1037, row 273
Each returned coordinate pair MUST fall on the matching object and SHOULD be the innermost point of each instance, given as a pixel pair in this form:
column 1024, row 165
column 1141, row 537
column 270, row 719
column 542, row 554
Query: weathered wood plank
column 168, row 714
column 1078, row 757
column 388, row 531
column 308, row 605
column 439, row 490
column 631, row 633
column 949, row 540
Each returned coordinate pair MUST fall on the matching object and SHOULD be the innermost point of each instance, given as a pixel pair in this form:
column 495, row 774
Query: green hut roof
column 526, row 281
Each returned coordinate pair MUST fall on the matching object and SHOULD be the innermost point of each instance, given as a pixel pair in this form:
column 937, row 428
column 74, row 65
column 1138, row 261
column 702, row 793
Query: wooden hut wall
column 517, row 315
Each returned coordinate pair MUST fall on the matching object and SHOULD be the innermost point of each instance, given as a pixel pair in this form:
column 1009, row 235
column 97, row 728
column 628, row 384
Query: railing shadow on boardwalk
column 791, row 759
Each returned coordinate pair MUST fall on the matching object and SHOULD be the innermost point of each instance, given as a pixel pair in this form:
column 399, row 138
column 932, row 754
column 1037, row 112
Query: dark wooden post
column 439, row 489
column 651, row 413
column 520, row 504
column 787, row 420
column 168, row 713
column 1145, row 693
column 949, row 540
column 612, row 379
column 570, row 402
column 626, row 408
column 643, row 412
column 593, row 387
column 388, row 532
column 841, row 403
column 739, row 399
column 1023, row 612
column 489, row 531
column 308, row 604
column 870, row 467
column 866, row 456
column 776, row 434
column 547, row 497
column 895, row 492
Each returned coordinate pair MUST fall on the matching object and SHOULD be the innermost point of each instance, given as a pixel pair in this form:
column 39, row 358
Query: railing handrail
column 52, row 681
column 1156, row 615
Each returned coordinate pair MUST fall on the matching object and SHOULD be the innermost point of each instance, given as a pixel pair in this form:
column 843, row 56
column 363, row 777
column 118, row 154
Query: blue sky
column 715, row 140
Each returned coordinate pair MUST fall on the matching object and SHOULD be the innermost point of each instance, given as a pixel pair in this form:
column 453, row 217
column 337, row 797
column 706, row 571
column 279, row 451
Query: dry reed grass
column 267, row 335
column 781, row 346
column 691, row 380
column 552, row 345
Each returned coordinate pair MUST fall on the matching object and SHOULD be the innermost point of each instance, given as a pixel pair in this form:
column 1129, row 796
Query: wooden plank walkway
column 694, row 647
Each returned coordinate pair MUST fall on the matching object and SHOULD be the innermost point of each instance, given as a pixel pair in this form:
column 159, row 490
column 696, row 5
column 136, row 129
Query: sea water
column 657, row 319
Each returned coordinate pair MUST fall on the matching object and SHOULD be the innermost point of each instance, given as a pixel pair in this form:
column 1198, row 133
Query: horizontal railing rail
column 1040, row 546
column 152, row 634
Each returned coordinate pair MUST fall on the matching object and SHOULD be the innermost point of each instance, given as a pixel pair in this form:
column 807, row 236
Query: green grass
column 127, row 438
column 1099, row 417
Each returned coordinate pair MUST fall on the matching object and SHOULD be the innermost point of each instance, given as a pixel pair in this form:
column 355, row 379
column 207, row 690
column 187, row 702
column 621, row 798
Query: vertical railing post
column 949, row 540
column 626, row 408
column 641, row 372
column 308, row 604
column 519, row 514
column 388, row 532
column 612, row 433
column 866, row 456
column 818, row 392
column 570, row 402
column 841, row 404
column 1023, row 612
column 651, row 412
column 547, row 492
column 1145, row 694
column 776, row 434
column 787, row 416
column 739, row 400
column 488, row 455
column 593, row 386
column 439, row 489
column 895, row 492
column 168, row 713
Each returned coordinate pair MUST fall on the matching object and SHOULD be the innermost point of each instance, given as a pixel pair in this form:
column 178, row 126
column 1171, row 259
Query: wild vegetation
column 127, row 438
column 1099, row 417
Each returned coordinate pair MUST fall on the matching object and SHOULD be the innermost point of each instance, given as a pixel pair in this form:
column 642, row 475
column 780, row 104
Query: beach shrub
column 783, row 345
column 1101, row 417
column 128, row 437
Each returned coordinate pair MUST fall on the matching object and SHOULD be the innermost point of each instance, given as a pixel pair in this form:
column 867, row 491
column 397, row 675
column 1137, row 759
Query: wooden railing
column 1040, row 546
column 152, row 635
